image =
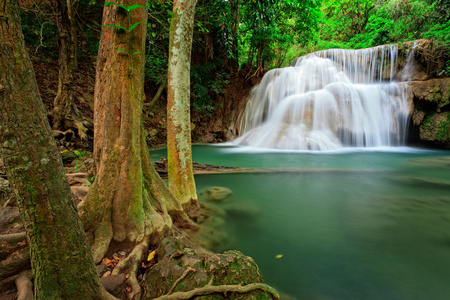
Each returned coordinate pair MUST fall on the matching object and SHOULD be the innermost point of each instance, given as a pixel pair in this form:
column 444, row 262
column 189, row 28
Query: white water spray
column 328, row 100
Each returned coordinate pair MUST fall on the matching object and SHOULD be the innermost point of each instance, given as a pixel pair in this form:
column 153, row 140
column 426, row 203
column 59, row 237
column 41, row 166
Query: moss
column 443, row 132
column 229, row 268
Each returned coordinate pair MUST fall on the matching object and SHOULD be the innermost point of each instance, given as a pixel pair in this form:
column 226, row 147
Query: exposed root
column 181, row 278
column 131, row 266
column 210, row 289
column 24, row 286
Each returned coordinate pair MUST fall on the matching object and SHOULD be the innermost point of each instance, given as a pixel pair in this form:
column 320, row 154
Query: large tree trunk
column 181, row 176
column 128, row 203
column 61, row 259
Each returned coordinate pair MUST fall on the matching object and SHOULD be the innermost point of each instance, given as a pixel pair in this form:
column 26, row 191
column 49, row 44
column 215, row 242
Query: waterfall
column 328, row 100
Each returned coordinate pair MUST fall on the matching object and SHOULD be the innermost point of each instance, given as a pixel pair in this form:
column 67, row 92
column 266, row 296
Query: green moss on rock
column 176, row 256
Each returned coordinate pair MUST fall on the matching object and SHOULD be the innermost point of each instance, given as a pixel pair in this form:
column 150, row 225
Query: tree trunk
column 61, row 259
column 128, row 202
column 65, row 114
column 235, row 8
column 181, row 176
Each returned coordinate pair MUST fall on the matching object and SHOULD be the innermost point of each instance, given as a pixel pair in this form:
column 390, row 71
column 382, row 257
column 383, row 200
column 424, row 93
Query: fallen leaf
column 279, row 256
column 127, row 276
column 151, row 255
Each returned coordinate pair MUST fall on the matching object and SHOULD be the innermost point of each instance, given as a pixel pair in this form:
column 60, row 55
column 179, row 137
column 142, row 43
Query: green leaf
column 131, row 7
column 117, row 26
column 134, row 25
column 122, row 50
column 153, row 34
column 136, row 52
column 107, row 4
column 83, row 153
column 76, row 152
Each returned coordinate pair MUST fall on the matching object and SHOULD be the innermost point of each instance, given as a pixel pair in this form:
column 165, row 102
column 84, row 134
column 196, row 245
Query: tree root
column 24, row 286
column 131, row 264
column 181, row 278
column 210, row 289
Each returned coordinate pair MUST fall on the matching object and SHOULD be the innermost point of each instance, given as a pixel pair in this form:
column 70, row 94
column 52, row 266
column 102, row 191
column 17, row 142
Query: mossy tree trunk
column 181, row 176
column 128, row 203
column 61, row 259
column 65, row 114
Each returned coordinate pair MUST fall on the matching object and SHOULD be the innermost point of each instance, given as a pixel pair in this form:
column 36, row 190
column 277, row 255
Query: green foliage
column 270, row 27
column 78, row 155
column 128, row 30
column 364, row 24
column 207, row 80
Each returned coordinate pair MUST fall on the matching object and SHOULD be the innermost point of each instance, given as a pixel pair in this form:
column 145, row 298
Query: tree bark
column 128, row 202
column 181, row 176
column 61, row 259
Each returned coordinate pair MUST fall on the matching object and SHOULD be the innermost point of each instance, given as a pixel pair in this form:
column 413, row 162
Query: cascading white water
column 328, row 100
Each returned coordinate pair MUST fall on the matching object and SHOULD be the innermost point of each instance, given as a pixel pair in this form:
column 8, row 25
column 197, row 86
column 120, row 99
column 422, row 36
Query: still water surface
column 351, row 225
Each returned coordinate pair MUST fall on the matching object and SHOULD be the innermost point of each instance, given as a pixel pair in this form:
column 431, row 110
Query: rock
column 113, row 283
column 436, row 128
column 194, row 269
column 79, row 193
column 218, row 194
column 431, row 114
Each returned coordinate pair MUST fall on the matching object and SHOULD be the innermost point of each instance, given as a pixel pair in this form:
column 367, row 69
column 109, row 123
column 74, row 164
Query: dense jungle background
column 235, row 42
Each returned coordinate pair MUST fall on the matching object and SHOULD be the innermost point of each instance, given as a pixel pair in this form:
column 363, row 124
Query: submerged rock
column 217, row 194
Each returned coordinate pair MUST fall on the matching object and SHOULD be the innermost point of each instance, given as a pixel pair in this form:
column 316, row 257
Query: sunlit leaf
column 136, row 52
column 134, row 25
column 131, row 7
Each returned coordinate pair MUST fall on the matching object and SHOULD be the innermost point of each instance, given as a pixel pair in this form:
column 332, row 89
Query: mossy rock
column 176, row 257
column 436, row 127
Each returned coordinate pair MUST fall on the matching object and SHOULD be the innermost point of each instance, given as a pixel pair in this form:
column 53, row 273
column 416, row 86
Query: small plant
column 128, row 30
column 79, row 155
column 90, row 181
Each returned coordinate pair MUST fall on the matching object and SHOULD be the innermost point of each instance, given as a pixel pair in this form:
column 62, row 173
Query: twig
column 181, row 278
